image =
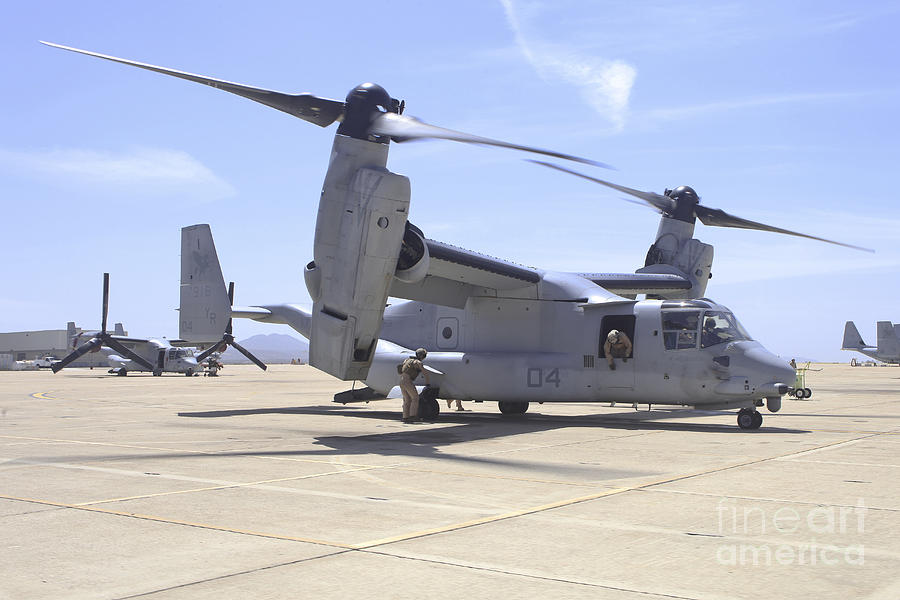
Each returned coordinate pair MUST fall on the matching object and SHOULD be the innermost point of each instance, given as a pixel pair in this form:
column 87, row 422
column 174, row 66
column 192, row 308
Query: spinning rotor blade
column 715, row 217
column 76, row 354
column 712, row 217
column 657, row 201
column 247, row 353
column 410, row 128
column 320, row 111
column 324, row 112
column 124, row 351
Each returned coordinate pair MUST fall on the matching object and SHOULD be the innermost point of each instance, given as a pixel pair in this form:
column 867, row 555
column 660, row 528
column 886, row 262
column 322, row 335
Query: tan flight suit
column 409, row 371
column 620, row 349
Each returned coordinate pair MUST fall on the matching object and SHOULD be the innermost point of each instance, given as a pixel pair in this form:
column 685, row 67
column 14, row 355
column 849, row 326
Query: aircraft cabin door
column 623, row 375
column 447, row 333
column 161, row 359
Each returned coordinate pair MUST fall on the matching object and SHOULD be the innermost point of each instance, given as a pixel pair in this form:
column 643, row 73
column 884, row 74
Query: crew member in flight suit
column 617, row 346
column 409, row 370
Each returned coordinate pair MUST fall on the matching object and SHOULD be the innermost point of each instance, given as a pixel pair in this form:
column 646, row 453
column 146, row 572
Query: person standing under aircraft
column 409, row 370
column 617, row 346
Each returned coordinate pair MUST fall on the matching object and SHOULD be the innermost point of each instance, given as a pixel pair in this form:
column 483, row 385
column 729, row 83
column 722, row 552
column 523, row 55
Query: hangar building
column 29, row 345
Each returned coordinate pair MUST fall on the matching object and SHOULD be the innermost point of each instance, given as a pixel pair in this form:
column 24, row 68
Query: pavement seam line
column 562, row 503
column 180, row 522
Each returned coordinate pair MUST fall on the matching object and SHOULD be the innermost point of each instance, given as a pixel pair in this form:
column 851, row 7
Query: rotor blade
column 124, row 351
column 657, row 201
column 320, row 111
column 715, row 217
column 105, row 301
column 230, row 303
column 75, row 354
column 205, row 354
column 247, row 353
column 408, row 128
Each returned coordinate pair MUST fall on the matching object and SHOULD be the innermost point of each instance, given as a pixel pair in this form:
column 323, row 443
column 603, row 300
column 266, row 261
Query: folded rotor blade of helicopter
column 410, row 128
column 89, row 346
column 657, row 201
column 320, row 111
column 324, row 111
column 713, row 217
column 248, row 354
column 127, row 353
column 228, row 339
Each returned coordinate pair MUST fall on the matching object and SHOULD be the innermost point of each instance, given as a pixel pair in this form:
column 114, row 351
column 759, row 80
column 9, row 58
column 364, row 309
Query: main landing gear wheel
column 429, row 408
column 189, row 372
column 157, row 373
column 749, row 419
column 508, row 407
column 121, row 372
column 807, row 392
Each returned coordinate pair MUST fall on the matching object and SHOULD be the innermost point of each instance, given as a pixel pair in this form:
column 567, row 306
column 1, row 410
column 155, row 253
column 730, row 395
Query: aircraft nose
column 771, row 367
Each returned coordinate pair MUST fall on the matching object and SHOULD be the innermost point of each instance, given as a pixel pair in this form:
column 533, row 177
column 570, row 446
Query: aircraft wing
column 455, row 273
column 639, row 283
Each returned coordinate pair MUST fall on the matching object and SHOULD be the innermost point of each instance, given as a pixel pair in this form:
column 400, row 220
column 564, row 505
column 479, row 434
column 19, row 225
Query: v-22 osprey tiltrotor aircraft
column 496, row 330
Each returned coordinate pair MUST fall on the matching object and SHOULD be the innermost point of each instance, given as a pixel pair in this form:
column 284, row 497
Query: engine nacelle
column 414, row 259
column 359, row 230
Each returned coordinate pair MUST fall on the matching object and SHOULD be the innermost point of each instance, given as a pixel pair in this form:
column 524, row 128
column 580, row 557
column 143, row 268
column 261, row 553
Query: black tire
column 508, row 407
column 757, row 420
column 157, row 373
column 189, row 373
column 121, row 372
column 429, row 408
column 745, row 418
column 807, row 393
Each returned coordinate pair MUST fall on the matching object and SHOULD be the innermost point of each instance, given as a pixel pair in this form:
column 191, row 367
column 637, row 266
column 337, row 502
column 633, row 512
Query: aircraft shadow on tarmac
column 515, row 424
column 454, row 430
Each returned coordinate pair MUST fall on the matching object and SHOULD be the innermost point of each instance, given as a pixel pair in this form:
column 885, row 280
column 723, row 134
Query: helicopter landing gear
column 749, row 419
column 429, row 409
column 508, row 407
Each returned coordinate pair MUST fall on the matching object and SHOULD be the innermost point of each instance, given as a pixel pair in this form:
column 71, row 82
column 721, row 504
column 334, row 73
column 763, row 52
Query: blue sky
column 778, row 112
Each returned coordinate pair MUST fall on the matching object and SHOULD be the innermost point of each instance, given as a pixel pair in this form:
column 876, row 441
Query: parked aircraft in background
column 887, row 348
column 126, row 354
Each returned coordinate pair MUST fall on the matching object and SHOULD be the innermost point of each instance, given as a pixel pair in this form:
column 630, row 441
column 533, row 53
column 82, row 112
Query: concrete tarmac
column 256, row 485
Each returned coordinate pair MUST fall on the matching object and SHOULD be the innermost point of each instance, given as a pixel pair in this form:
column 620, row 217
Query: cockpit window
column 721, row 327
column 680, row 328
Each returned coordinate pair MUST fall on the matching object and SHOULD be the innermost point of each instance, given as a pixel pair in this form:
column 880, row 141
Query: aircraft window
column 680, row 328
column 721, row 327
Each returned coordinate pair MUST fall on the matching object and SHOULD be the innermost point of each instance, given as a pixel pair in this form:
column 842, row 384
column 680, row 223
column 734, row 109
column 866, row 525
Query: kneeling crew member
column 409, row 370
column 617, row 346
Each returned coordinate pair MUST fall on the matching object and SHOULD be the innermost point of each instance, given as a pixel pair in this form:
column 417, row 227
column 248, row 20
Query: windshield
column 680, row 328
column 720, row 327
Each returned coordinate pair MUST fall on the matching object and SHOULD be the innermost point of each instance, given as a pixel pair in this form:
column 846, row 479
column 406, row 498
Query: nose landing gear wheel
column 749, row 419
column 513, row 408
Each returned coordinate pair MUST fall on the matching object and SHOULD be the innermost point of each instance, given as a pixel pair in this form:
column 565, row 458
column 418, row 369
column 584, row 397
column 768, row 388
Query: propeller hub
column 686, row 200
column 362, row 102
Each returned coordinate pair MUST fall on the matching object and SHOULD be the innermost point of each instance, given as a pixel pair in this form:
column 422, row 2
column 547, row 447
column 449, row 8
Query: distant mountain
column 274, row 348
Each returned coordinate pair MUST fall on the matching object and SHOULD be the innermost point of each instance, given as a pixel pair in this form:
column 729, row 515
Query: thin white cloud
column 605, row 84
column 687, row 112
column 142, row 170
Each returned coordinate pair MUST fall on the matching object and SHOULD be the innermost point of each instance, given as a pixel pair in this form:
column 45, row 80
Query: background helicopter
column 157, row 356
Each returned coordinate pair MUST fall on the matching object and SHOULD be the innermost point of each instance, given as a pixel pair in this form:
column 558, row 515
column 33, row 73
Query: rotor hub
column 686, row 200
column 361, row 105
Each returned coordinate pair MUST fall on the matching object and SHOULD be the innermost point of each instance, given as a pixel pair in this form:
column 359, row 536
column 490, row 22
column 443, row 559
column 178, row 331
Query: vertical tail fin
column 204, row 308
column 888, row 344
column 852, row 339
